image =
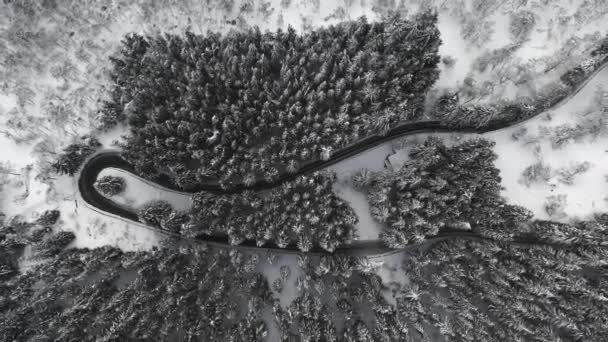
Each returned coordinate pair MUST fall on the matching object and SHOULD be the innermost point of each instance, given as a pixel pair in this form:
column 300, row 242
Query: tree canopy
column 443, row 187
column 172, row 293
column 305, row 212
column 110, row 185
column 249, row 104
column 491, row 291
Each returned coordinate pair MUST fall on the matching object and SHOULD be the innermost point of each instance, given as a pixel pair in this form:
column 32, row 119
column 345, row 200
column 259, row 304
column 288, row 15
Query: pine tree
column 110, row 185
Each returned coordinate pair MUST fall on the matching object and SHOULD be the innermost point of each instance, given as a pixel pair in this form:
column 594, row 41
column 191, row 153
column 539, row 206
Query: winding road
column 101, row 160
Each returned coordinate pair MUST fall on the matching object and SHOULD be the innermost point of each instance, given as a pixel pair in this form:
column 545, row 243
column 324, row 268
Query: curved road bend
column 94, row 165
column 103, row 204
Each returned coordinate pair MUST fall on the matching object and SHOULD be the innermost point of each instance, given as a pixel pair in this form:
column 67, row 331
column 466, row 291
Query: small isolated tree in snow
column 361, row 179
column 448, row 61
column 521, row 25
column 477, row 31
column 536, row 173
column 567, row 174
column 110, row 185
column 277, row 285
column 555, row 206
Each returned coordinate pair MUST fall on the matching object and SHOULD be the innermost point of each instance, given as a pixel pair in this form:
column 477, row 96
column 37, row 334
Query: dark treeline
column 591, row 233
column 252, row 104
column 305, row 212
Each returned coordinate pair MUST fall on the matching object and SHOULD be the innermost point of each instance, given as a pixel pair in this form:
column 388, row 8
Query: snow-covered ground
column 390, row 270
column 138, row 192
column 476, row 32
column 586, row 193
column 96, row 229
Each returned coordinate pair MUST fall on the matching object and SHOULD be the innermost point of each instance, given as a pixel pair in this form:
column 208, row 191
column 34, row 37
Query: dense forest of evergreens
column 252, row 104
column 482, row 291
column 458, row 289
column 177, row 292
column 440, row 188
column 340, row 299
column 305, row 213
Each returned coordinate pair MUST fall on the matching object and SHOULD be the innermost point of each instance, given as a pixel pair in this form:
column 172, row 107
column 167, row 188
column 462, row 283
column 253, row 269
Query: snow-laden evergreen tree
column 110, row 185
